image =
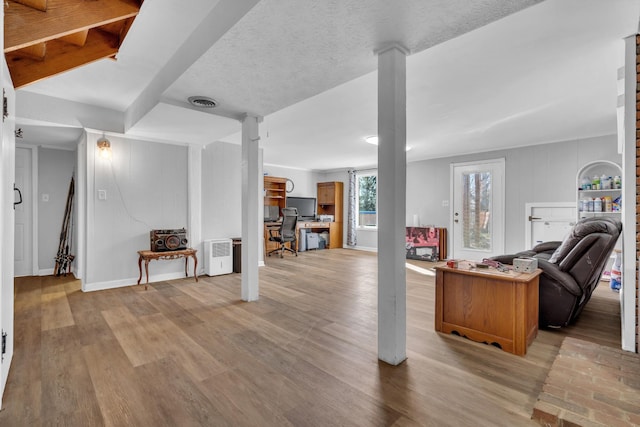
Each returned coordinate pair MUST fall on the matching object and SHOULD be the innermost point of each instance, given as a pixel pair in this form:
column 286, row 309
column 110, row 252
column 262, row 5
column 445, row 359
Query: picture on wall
column 423, row 243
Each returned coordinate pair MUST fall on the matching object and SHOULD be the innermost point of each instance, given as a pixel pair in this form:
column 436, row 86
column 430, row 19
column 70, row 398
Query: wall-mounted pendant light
column 104, row 148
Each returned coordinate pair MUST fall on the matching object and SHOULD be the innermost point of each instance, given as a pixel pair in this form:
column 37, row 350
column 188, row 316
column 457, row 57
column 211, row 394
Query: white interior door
column 7, row 176
column 23, row 251
column 548, row 222
column 477, row 219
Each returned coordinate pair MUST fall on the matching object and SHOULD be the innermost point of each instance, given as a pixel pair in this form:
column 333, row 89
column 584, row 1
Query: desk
column 268, row 244
column 488, row 306
column 147, row 256
column 334, row 229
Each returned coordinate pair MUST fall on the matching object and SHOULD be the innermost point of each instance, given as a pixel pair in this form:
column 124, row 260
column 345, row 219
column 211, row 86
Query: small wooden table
column 486, row 305
column 147, row 256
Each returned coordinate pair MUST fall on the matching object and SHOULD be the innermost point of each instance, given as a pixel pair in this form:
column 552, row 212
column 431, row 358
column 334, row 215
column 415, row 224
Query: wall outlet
column 102, row 194
column 45, row 197
column 445, row 203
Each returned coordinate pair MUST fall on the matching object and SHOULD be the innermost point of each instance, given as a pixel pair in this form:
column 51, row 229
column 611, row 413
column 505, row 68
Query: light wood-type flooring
column 193, row 354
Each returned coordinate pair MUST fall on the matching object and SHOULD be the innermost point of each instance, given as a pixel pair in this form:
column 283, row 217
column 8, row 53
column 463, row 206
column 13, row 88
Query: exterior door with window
column 477, row 221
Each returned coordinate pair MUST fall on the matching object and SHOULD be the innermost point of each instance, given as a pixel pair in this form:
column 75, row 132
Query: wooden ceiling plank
column 60, row 58
column 25, row 26
column 125, row 28
column 36, row 51
column 36, row 4
column 114, row 28
column 78, row 39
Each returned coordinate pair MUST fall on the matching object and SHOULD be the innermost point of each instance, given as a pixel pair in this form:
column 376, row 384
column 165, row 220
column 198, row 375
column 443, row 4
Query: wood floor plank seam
column 304, row 354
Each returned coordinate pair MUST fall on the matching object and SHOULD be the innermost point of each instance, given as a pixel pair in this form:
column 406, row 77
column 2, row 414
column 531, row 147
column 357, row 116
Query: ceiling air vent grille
column 202, row 101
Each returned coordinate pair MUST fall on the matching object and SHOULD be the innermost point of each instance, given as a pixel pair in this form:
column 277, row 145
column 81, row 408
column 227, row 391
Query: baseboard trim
column 101, row 286
column 363, row 248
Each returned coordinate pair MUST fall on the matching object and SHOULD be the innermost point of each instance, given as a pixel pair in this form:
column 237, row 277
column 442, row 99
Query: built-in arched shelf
column 601, row 196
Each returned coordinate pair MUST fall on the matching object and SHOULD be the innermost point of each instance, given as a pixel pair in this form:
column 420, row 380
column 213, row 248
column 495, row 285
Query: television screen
column 306, row 206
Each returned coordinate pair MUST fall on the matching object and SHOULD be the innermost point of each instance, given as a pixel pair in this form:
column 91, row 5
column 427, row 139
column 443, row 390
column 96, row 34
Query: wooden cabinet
column 330, row 199
column 335, row 235
column 333, row 228
column 488, row 306
column 275, row 194
column 330, row 202
column 326, row 193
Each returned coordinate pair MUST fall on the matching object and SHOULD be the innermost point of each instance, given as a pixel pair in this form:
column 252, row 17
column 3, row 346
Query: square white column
column 250, row 208
column 392, row 165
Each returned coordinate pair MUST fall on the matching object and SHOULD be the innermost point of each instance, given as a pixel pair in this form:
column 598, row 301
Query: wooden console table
column 147, row 256
column 498, row 308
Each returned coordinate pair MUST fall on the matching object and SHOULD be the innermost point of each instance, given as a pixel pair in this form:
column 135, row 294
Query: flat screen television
column 306, row 207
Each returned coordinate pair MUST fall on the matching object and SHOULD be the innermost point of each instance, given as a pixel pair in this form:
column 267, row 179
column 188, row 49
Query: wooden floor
column 190, row 354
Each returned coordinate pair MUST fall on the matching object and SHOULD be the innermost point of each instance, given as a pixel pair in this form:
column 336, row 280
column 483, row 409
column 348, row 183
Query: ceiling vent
column 202, row 101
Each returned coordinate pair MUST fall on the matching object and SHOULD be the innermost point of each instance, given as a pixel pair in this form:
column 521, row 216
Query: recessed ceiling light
column 373, row 139
column 202, row 101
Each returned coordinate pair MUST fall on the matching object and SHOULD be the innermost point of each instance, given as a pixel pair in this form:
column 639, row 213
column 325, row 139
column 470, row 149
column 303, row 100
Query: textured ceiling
column 284, row 51
column 482, row 75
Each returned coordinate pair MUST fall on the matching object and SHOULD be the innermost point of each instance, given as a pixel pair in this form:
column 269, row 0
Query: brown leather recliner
column 571, row 269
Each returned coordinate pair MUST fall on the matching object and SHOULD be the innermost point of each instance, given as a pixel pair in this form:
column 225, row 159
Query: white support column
column 194, row 179
column 250, row 207
column 628, row 296
column 392, row 165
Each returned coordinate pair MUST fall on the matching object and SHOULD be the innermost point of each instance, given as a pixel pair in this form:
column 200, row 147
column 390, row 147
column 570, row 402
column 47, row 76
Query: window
column 367, row 200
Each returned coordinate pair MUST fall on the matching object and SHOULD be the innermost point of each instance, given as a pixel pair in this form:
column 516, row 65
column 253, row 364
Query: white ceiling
column 483, row 75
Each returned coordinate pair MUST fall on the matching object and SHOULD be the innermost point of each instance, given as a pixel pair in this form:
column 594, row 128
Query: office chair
column 286, row 232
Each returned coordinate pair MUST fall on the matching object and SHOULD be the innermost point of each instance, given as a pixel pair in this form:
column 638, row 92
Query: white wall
column 146, row 188
column 540, row 173
column 221, row 191
column 55, row 168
